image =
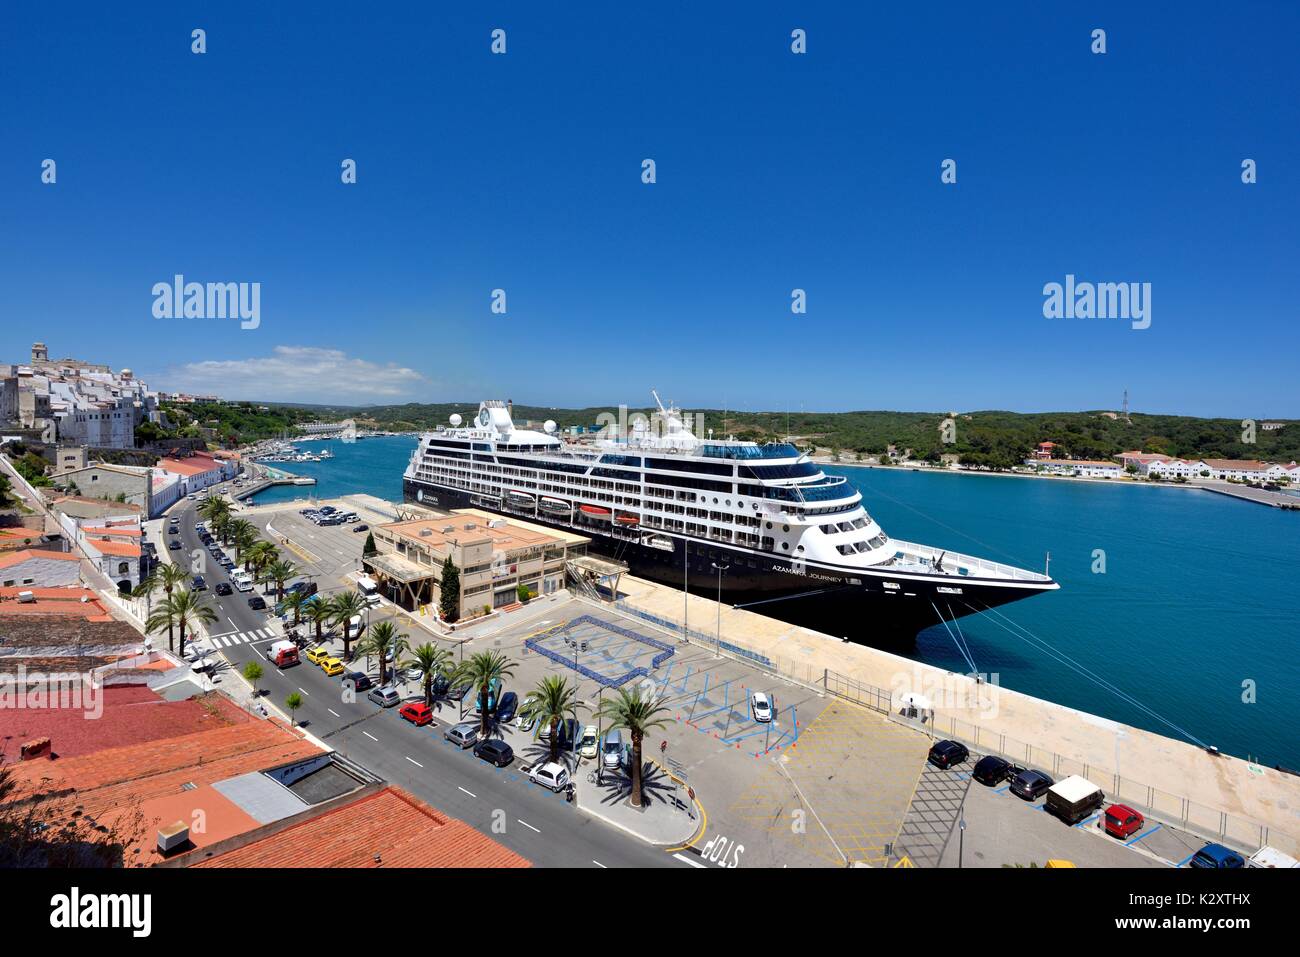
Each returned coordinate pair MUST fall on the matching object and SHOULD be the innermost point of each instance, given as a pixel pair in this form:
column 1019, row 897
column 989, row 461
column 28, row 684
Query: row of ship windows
column 857, row 523
column 863, row 547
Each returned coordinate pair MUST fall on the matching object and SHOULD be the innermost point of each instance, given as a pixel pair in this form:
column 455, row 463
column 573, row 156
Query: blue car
column 1216, row 856
column 198, row 584
column 509, row 705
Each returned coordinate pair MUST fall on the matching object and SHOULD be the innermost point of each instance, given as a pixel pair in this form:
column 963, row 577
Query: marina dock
column 1259, row 496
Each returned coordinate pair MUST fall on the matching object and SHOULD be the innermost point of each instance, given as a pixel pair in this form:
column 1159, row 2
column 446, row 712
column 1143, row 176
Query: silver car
column 462, row 735
column 611, row 751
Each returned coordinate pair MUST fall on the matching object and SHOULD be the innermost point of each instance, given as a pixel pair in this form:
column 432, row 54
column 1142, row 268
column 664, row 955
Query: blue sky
column 775, row 172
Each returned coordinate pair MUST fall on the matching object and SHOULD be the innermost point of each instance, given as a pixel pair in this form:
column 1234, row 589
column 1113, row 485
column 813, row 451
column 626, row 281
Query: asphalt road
column 532, row 821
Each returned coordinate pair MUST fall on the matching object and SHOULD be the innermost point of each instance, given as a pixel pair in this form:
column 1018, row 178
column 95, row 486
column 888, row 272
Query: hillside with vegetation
column 990, row 438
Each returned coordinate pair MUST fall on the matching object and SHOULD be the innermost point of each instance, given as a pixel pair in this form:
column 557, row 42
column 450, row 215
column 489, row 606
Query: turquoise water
column 1199, row 592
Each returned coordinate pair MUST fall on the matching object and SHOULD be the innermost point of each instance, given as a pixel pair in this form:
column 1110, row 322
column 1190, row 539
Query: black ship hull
column 875, row 608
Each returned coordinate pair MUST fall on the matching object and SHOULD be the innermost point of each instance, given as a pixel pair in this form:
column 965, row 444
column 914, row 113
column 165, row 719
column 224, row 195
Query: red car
column 416, row 712
column 1122, row 821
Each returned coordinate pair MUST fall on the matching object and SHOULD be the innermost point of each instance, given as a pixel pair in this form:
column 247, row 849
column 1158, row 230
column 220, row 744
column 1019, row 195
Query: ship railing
column 980, row 567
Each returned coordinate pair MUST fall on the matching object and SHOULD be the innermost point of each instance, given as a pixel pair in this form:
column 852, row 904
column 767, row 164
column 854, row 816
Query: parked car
column 991, row 770
column 257, row 603
column 1122, row 821
column 317, row 655
column 416, row 712
column 223, row 588
column 495, row 752
column 1268, row 856
column 385, row 697
column 1216, row 856
column 361, row 528
column 412, row 674
column 611, row 751
column 360, row 680
column 198, row 584
column 589, row 743
column 462, row 735
column 1073, row 799
column 438, row 687
column 507, row 708
column 946, row 754
column 1031, row 785
column 526, row 723
column 551, row 775
column 760, row 705
column 332, row 667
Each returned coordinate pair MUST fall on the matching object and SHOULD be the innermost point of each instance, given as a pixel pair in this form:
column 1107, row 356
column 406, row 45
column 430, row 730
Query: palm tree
column 345, row 605
column 221, row 527
column 320, row 613
column 639, row 715
column 241, row 532
column 483, row 670
column 295, row 601
column 258, row 554
column 185, row 609
column 551, row 702
column 213, row 509
column 382, row 640
column 431, row 662
column 165, row 577
column 279, row 572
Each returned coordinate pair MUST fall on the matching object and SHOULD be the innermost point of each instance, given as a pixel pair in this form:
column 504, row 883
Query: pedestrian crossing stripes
column 232, row 638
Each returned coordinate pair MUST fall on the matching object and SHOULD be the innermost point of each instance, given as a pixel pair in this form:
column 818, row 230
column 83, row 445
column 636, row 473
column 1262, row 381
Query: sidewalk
column 668, row 816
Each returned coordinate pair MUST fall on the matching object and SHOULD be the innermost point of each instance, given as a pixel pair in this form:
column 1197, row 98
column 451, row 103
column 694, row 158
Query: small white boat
column 555, row 505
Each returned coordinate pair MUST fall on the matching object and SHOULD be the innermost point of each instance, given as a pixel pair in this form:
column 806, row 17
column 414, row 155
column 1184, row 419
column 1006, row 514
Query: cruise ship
column 759, row 523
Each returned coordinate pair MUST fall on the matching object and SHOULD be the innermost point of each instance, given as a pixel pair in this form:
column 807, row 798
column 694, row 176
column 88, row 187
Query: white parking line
column 527, row 825
column 369, row 735
column 687, row 860
column 413, row 761
column 307, row 693
column 470, row 793
column 333, row 712
column 598, row 864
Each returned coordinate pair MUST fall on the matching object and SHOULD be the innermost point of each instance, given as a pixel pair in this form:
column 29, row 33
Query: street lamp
column 961, row 835
column 717, row 648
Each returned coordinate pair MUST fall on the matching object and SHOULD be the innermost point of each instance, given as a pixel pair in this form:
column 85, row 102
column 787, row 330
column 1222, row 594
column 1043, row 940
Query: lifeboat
column 595, row 511
column 520, row 499
column 628, row 519
column 555, row 505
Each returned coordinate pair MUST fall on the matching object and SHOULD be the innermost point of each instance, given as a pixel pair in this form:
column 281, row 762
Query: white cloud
column 296, row 374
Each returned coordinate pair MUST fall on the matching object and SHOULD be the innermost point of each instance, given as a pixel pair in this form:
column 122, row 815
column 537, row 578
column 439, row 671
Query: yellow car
column 332, row 667
column 1059, row 862
column 317, row 655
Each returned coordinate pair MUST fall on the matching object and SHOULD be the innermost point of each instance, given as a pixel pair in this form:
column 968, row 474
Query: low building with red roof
column 40, row 568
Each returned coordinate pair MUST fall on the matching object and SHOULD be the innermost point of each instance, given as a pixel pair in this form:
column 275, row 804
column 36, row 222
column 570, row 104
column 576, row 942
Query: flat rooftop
column 471, row 527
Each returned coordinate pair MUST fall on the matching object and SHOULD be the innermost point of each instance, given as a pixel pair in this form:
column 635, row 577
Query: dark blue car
column 1216, row 856
column 509, row 704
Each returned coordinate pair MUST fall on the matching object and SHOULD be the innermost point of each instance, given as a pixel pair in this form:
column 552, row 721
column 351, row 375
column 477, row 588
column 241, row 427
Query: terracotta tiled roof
column 108, row 547
column 1234, row 464
column 60, row 602
column 401, row 830
column 128, row 531
column 193, row 465
column 27, row 554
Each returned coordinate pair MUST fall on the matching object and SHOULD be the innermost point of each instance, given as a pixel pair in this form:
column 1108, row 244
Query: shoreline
column 1134, row 483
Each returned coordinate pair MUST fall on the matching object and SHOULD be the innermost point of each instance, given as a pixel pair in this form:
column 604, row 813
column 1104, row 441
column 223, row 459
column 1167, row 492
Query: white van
column 369, row 590
column 1272, row 857
column 242, row 580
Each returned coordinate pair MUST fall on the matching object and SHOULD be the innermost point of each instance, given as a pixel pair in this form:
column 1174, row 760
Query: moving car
column 1030, row 785
column 224, row 588
column 992, row 770
column 589, row 743
column 551, row 775
column 1074, row 798
column 945, row 754
column 1216, row 856
column 257, row 603
column 462, row 735
column 494, row 752
column 174, row 544
column 317, row 655
column 416, row 712
column 360, row 680
column 385, row 697
column 332, row 667
column 761, row 706
column 361, row 528
column 1122, row 821
column 282, row 654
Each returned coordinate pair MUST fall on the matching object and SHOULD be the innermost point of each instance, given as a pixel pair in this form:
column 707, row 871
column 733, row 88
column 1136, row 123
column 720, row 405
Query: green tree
column 369, row 549
column 638, row 715
column 295, row 601
column 185, row 609
column 481, row 670
column 253, row 674
column 449, row 591
column 553, row 700
column 431, row 662
column 293, row 703
column 384, row 639
column 319, row 612
column 165, row 578
column 522, row 593
column 277, row 573
column 345, row 606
